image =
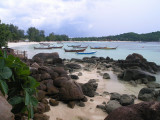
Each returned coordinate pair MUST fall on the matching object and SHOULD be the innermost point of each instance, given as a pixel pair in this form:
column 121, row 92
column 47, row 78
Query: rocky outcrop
column 141, row 111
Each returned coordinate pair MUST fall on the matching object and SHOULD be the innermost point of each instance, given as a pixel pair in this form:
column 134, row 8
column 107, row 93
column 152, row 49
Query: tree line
column 11, row 33
column 131, row 36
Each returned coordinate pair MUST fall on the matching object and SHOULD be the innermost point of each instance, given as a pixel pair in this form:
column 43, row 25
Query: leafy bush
column 17, row 84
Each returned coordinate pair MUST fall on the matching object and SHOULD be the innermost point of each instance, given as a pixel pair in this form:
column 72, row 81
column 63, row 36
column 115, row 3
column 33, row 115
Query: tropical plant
column 17, row 84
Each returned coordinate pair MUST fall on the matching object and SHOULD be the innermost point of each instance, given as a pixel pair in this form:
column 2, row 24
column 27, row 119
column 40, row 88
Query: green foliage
column 154, row 36
column 17, row 84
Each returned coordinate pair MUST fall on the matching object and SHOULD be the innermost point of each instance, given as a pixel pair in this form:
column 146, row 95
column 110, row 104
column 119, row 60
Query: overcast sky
column 79, row 18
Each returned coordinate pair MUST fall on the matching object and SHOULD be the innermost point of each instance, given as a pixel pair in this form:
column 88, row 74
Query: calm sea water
column 150, row 50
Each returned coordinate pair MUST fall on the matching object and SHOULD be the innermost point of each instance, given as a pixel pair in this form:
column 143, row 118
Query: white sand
column 90, row 112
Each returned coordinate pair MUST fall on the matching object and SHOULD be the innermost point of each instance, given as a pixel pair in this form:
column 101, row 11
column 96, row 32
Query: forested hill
column 154, row 36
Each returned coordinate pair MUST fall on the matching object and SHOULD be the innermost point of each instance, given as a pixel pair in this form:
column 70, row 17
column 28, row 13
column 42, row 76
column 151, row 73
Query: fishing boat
column 75, row 46
column 45, row 44
column 86, row 53
column 57, row 47
column 74, row 50
column 43, row 47
column 81, row 47
column 104, row 48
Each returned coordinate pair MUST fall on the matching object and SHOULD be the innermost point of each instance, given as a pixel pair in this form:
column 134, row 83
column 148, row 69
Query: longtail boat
column 57, row 46
column 73, row 50
column 43, row 47
column 74, row 46
column 81, row 47
column 93, row 52
column 45, row 44
column 104, row 48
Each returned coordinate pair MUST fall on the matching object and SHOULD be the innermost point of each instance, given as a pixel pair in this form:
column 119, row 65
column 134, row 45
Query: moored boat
column 74, row 46
column 93, row 52
column 103, row 48
column 42, row 47
column 45, row 44
column 81, row 47
column 57, row 46
column 73, row 50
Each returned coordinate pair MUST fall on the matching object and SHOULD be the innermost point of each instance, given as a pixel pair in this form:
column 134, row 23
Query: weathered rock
column 89, row 88
column 73, row 66
column 46, row 56
column 51, row 89
column 35, row 65
column 5, row 110
column 71, row 104
column 126, row 100
column 70, row 90
column 45, row 76
column 53, row 102
column 75, row 77
column 146, row 94
column 59, row 70
column 135, row 57
column 41, row 108
column 40, row 117
column 54, row 75
column 41, row 94
column 106, row 76
column 141, row 111
column 112, row 105
column 42, row 87
column 115, row 96
column 58, row 82
column 134, row 74
column 81, row 104
column 153, row 85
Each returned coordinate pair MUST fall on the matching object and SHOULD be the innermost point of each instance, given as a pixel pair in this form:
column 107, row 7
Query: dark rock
column 33, row 70
column 54, row 75
column 153, row 85
column 146, row 94
column 89, row 89
column 132, row 74
column 71, row 104
column 44, row 100
column 59, row 70
column 132, row 82
column 53, row 102
column 115, row 96
column 112, row 105
column 77, row 60
column 141, row 111
column 40, row 117
column 85, row 99
column 41, row 95
column 45, row 76
column 42, row 87
column 106, row 76
column 135, row 57
column 144, row 80
column 73, row 66
column 81, row 104
column 41, row 108
column 46, row 56
column 58, row 82
column 138, row 81
column 37, row 77
column 101, row 107
column 75, row 77
column 35, row 65
column 91, row 100
column 70, row 90
column 126, row 100
column 51, row 89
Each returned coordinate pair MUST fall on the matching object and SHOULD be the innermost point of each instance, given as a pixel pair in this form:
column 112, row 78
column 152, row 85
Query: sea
column 149, row 50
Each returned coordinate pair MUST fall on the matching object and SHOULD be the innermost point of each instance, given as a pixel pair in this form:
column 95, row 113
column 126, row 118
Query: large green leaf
column 3, row 87
column 16, row 100
column 5, row 73
column 27, row 98
column 34, row 101
column 1, row 63
column 32, row 82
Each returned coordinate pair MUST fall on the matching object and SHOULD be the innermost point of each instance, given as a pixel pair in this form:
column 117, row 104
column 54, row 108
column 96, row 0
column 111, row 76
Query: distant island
column 11, row 33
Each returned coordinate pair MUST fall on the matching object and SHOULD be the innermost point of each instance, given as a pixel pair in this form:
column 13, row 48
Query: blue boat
column 93, row 52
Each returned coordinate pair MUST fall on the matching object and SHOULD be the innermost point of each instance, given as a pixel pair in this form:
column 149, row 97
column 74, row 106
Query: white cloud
column 94, row 17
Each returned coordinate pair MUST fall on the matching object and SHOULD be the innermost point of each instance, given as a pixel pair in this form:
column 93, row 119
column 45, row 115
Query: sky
column 83, row 18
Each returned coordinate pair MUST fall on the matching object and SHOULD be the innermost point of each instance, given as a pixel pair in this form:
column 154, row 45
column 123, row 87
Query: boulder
column 41, row 108
column 146, row 94
column 33, row 70
column 38, row 116
column 71, row 104
column 45, row 76
column 41, row 95
column 59, row 70
column 42, row 86
column 73, row 66
column 46, row 56
column 75, row 77
column 51, row 89
column 134, row 74
column 136, row 57
column 58, row 82
column 153, row 85
column 80, row 74
column 70, row 90
column 35, row 65
column 45, row 101
column 5, row 110
column 112, row 105
column 141, row 111
column 81, row 104
column 37, row 77
column 106, row 76
column 89, row 88
column 115, row 96
column 126, row 100
column 53, row 102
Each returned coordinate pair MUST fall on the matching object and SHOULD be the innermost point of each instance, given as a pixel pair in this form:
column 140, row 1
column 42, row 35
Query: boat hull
column 81, row 50
column 83, row 53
